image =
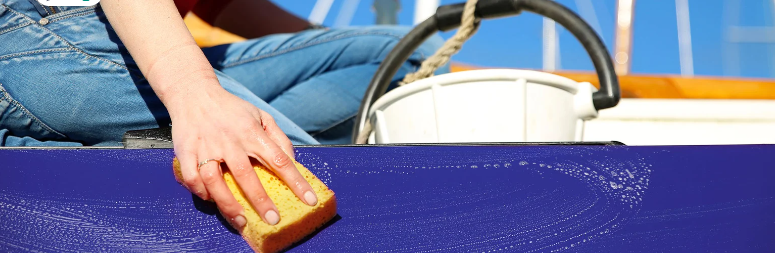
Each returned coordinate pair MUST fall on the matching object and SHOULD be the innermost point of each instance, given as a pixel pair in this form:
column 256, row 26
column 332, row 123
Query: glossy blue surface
column 413, row 199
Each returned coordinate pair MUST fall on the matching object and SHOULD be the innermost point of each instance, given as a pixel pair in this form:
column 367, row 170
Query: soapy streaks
column 412, row 199
column 66, row 224
column 549, row 203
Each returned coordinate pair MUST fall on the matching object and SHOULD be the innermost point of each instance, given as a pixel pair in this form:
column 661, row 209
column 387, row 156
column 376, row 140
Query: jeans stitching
column 47, row 11
column 72, row 13
column 7, row 97
column 71, row 16
column 309, row 44
column 70, row 45
column 33, row 52
column 19, row 26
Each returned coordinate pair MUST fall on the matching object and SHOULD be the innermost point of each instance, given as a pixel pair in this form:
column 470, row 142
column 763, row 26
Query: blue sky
column 516, row 41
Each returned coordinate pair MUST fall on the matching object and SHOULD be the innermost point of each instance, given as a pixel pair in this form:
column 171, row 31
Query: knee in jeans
column 429, row 46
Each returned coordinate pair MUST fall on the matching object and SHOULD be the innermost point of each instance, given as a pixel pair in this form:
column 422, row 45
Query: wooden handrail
column 668, row 86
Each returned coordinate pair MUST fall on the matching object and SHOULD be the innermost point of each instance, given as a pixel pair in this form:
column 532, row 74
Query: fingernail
column 310, row 198
column 239, row 222
column 271, row 217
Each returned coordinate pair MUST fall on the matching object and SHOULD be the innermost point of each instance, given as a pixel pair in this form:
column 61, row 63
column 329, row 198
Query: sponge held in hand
column 297, row 219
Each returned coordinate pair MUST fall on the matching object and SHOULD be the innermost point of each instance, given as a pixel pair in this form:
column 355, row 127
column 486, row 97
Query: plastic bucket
column 496, row 105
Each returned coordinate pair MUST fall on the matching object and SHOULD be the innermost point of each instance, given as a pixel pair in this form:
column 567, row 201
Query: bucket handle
column 448, row 17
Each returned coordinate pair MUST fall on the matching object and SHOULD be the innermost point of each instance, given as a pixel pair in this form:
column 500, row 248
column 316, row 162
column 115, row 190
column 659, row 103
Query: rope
column 468, row 26
column 363, row 136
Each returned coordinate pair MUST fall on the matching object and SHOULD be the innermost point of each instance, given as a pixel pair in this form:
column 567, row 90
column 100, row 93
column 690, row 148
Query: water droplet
column 629, row 173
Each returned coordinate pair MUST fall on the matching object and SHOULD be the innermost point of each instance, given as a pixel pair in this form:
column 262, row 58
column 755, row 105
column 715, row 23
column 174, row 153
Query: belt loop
column 41, row 9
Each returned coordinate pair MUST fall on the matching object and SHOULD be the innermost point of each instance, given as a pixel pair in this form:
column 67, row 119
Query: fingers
column 189, row 172
column 275, row 134
column 216, row 186
column 271, row 155
column 240, row 167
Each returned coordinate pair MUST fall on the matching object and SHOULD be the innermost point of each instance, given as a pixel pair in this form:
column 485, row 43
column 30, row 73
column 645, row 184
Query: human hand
column 211, row 126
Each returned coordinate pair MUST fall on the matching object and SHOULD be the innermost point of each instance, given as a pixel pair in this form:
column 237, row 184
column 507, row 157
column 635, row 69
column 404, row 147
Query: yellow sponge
column 297, row 219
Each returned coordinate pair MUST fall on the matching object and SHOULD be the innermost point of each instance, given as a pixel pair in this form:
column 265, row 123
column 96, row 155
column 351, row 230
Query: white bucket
column 494, row 105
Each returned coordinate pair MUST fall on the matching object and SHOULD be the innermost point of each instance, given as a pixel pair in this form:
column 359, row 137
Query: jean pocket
column 11, row 20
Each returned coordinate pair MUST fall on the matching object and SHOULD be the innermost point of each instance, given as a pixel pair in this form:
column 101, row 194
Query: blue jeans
column 71, row 82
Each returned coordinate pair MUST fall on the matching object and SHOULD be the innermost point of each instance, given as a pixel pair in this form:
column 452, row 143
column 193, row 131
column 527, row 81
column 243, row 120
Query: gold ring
column 205, row 162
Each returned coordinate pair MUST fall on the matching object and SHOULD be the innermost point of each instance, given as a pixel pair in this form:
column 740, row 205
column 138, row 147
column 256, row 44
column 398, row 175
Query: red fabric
column 207, row 10
column 184, row 6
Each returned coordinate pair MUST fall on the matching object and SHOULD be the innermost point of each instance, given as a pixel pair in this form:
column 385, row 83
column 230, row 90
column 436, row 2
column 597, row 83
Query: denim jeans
column 67, row 80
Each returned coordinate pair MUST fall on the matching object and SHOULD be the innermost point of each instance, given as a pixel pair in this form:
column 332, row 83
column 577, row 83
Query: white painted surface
column 685, row 122
column 423, row 9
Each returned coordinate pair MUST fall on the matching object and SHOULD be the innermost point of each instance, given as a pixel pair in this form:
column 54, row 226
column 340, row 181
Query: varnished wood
column 668, row 86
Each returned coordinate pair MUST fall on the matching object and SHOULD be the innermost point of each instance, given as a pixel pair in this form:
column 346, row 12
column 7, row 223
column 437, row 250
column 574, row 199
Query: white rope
column 467, row 29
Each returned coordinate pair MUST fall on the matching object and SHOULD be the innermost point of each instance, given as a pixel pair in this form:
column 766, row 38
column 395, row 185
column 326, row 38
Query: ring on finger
column 206, row 161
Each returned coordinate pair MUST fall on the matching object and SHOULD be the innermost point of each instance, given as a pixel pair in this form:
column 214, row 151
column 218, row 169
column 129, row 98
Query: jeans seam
column 309, row 44
column 19, row 26
column 48, row 13
column 70, row 16
column 72, row 13
column 33, row 52
column 70, row 45
column 7, row 97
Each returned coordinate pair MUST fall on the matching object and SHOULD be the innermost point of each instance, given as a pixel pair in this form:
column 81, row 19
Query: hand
column 212, row 123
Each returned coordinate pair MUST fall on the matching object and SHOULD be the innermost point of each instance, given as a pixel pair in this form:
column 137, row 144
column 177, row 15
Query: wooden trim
column 206, row 35
column 658, row 86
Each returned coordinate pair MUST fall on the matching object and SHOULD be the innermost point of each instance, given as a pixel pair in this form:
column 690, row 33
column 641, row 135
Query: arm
column 208, row 121
column 159, row 42
column 249, row 18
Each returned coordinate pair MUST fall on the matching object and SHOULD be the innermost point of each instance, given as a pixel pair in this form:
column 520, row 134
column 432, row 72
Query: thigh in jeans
column 69, row 82
column 54, row 84
column 270, row 65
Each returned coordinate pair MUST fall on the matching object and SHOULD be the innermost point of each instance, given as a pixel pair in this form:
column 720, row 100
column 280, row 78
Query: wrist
column 180, row 73
column 192, row 92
